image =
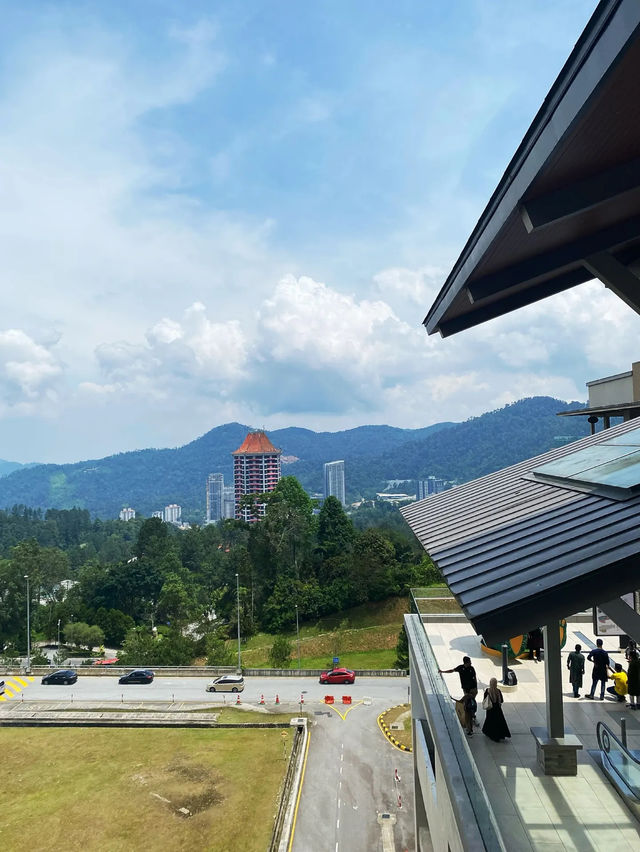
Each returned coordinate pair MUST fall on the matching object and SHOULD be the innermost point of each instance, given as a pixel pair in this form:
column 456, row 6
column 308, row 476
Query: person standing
column 469, row 684
column 633, row 677
column 601, row 663
column 575, row 664
column 619, row 678
column 495, row 725
column 534, row 643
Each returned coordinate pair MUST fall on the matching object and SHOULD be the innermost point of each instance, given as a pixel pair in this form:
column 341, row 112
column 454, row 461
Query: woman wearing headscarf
column 495, row 725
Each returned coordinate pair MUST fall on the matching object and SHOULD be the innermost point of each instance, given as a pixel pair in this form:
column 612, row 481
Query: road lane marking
column 20, row 681
column 295, row 812
column 344, row 715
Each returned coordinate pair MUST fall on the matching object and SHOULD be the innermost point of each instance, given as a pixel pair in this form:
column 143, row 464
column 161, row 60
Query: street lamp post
column 58, row 634
column 238, row 598
column 298, row 636
column 26, row 576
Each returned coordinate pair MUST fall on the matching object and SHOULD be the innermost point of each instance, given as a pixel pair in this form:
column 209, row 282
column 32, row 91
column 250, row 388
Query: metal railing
column 623, row 763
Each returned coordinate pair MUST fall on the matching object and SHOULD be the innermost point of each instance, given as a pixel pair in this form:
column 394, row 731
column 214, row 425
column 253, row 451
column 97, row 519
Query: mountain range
column 150, row 479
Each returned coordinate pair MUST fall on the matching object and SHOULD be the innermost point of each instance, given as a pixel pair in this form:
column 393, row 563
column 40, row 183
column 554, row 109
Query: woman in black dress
column 495, row 725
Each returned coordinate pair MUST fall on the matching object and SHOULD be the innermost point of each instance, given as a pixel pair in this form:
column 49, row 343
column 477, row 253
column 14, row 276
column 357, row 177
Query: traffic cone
column 238, row 700
column 262, row 699
column 398, row 779
column 277, row 699
column 301, row 699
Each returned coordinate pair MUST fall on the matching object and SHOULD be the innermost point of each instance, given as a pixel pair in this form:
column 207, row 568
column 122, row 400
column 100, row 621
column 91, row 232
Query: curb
column 387, row 732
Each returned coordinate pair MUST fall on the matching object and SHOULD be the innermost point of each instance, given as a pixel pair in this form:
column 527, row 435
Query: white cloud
column 29, row 371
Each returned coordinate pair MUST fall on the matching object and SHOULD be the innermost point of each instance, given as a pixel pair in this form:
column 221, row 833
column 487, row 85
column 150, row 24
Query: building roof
column 518, row 552
column 256, row 443
column 567, row 208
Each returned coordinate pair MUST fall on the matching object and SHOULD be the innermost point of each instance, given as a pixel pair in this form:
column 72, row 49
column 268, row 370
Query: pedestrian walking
column 619, row 678
column 534, row 643
column 601, row 663
column 631, row 648
column 633, row 678
column 575, row 664
column 495, row 725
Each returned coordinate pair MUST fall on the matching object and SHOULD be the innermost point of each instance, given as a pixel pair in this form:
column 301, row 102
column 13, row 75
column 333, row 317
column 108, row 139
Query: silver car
column 226, row 683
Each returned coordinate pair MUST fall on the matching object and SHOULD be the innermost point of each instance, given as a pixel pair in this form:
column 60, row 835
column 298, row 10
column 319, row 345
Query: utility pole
column 58, row 634
column 26, row 576
column 238, row 597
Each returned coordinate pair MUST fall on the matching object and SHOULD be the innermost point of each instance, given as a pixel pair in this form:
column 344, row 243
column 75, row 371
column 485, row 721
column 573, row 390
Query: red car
column 338, row 676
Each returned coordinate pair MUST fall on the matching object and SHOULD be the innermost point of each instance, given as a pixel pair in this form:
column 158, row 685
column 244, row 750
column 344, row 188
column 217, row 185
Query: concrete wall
column 611, row 390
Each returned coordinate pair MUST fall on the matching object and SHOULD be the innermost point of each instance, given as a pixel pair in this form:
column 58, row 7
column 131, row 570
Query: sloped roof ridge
column 256, row 443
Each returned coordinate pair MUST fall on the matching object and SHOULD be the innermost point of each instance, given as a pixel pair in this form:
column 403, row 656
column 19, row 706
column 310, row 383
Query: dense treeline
column 127, row 578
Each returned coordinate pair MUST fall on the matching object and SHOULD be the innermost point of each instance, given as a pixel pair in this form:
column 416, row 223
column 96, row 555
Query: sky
column 215, row 211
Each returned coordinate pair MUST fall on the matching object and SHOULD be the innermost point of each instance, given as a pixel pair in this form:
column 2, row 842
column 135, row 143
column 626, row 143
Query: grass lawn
column 400, row 714
column 119, row 790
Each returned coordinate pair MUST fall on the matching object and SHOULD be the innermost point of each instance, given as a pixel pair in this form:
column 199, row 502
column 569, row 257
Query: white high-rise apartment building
column 215, row 497
column 334, row 481
column 172, row 514
column 229, row 505
column 127, row 514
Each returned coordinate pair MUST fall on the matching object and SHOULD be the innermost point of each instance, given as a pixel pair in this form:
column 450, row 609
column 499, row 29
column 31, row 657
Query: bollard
column 505, row 664
column 623, row 732
column 301, row 699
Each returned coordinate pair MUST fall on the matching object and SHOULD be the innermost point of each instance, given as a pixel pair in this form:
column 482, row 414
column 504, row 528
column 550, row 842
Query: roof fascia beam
column 616, row 276
column 624, row 616
column 554, row 260
column 507, row 304
column 582, row 195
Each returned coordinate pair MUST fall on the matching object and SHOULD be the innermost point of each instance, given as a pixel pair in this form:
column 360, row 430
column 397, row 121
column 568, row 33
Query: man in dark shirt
column 600, row 660
column 469, row 684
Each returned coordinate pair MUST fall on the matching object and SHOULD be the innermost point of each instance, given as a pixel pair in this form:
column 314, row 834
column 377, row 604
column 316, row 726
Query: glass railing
column 623, row 763
column 476, row 791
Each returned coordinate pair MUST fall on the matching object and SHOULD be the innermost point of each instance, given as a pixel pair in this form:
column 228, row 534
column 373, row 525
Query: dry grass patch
column 401, row 714
column 95, row 789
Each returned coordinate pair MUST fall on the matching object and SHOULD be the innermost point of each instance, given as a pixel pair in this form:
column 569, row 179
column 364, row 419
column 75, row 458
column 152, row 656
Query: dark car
column 63, row 676
column 137, row 676
column 338, row 676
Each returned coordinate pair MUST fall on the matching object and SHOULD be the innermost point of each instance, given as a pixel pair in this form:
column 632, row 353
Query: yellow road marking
column 11, row 689
column 343, row 716
column 295, row 813
column 2, row 698
column 20, row 681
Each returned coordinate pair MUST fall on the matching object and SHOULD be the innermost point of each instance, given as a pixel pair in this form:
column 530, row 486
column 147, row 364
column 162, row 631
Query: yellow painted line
column 295, row 813
column 387, row 734
column 20, row 681
column 11, row 690
column 2, row 698
column 343, row 716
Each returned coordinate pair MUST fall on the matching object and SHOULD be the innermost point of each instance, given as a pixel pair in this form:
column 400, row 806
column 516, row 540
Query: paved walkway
column 535, row 811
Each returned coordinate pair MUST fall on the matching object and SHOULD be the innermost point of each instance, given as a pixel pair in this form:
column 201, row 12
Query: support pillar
column 553, row 681
column 557, row 752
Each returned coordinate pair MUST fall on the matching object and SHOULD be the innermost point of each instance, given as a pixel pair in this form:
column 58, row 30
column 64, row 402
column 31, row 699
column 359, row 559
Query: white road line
column 341, row 758
column 341, row 770
column 338, row 824
column 338, row 804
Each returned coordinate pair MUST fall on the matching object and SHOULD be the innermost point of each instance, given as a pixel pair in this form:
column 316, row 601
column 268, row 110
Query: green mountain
column 150, row 479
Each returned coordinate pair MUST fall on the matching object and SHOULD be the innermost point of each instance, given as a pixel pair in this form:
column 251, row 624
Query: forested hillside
column 150, row 479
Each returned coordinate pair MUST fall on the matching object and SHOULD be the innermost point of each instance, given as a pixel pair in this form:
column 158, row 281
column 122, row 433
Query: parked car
column 338, row 676
column 138, row 676
column 226, row 683
column 64, row 676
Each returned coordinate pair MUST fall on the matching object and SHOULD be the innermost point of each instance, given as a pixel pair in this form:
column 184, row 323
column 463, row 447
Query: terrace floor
column 535, row 811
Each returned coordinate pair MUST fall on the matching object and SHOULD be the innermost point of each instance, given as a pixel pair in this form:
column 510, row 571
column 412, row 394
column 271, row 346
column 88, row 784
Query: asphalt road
column 384, row 691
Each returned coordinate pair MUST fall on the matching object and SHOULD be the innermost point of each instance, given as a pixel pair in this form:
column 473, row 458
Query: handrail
column 605, row 735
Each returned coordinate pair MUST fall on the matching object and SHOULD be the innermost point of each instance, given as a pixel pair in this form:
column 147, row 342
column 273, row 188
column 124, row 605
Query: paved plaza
column 535, row 811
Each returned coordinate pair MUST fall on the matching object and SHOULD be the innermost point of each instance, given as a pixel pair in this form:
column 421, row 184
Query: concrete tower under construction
column 256, row 470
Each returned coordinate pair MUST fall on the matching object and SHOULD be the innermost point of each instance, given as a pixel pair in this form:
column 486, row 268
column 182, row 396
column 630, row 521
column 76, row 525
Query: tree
column 218, row 651
column 402, row 650
column 280, row 653
column 374, row 566
column 336, row 533
column 83, row 635
column 174, row 603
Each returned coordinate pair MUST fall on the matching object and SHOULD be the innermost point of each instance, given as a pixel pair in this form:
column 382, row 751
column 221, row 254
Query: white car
column 226, row 683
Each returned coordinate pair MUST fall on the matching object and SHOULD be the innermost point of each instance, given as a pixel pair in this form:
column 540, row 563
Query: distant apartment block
column 256, row 470
column 430, row 485
column 334, row 480
column 159, row 514
column 127, row 514
column 215, row 497
column 229, row 502
column 172, row 514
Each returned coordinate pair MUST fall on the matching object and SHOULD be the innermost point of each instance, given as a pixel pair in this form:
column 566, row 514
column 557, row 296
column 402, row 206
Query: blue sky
column 242, row 211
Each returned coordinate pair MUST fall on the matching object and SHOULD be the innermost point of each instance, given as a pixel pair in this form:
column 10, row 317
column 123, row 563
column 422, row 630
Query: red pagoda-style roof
column 255, row 443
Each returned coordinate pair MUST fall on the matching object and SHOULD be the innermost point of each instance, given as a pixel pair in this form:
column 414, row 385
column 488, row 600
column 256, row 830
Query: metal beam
column 553, row 680
column 616, row 276
column 624, row 616
column 556, row 260
column 514, row 301
column 579, row 196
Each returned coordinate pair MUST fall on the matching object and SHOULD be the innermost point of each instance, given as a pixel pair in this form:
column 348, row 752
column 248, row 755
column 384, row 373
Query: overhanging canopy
column 567, row 208
column 518, row 552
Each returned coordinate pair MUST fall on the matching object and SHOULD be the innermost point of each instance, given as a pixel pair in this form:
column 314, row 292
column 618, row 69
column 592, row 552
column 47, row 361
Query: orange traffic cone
column 262, row 699
column 302, row 699
column 238, row 700
column 277, row 699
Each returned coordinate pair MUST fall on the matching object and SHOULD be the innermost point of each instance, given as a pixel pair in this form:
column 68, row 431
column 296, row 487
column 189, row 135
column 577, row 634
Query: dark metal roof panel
column 517, row 552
